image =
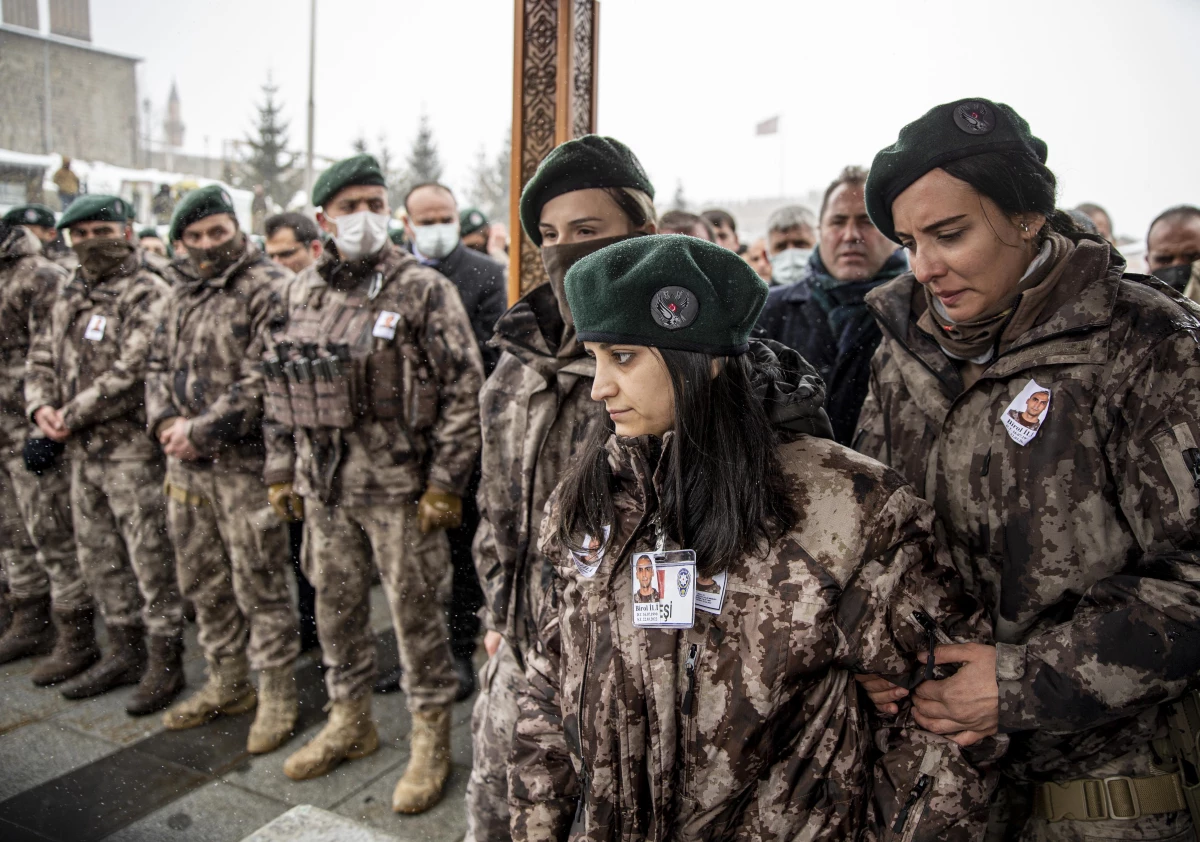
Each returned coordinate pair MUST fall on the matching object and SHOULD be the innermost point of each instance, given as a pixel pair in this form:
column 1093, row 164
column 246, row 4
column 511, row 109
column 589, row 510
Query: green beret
column 669, row 291
column 199, row 203
column 471, row 220
column 95, row 207
column 33, row 214
column 361, row 169
column 149, row 232
column 581, row 164
column 946, row 133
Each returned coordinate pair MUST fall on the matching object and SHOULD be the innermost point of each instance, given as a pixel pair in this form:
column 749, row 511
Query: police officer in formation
column 1013, row 583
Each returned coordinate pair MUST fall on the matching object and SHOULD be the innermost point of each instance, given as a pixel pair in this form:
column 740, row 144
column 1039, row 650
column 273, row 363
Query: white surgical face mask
column 360, row 234
column 436, row 241
column 789, row 265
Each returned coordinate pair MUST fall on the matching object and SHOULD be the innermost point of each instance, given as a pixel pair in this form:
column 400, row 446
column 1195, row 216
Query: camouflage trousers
column 232, row 558
column 340, row 545
column 121, row 534
column 38, row 555
column 492, row 724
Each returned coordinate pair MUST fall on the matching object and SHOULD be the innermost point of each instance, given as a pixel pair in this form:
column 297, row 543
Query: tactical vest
column 353, row 360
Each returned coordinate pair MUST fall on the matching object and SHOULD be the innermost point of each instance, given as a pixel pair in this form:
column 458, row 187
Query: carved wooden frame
column 554, row 100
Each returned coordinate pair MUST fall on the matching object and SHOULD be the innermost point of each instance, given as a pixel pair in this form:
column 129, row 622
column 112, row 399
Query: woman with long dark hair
column 721, row 567
column 1048, row 405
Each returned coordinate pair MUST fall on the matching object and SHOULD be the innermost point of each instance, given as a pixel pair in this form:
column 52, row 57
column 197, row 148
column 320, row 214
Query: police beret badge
column 974, row 117
column 674, row 308
column 31, row 215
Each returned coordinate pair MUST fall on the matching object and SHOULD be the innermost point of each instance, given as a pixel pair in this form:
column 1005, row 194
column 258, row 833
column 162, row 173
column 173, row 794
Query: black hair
column 849, row 175
column 1179, row 212
column 684, row 222
column 436, row 184
column 303, row 228
column 725, row 494
column 720, row 219
column 1017, row 182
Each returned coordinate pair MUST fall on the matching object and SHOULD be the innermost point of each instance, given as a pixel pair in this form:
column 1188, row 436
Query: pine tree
column 489, row 190
column 359, row 145
column 269, row 163
column 394, row 177
column 423, row 164
column 679, row 202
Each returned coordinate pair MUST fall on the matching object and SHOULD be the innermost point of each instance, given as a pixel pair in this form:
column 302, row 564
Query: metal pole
column 312, row 65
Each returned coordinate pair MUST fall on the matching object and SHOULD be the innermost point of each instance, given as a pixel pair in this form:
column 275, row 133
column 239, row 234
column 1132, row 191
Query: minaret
column 173, row 124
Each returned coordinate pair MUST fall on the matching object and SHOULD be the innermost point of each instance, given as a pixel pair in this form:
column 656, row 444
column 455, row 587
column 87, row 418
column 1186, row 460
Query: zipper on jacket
column 689, row 702
column 987, row 462
column 933, row 636
column 1191, row 458
column 913, row 797
column 909, row 817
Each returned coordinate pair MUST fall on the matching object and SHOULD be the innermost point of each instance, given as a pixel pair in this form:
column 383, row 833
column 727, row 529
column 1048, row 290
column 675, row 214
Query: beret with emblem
column 945, row 133
column 669, row 291
column 585, row 163
column 471, row 220
column 95, row 207
column 32, row 214
column 199, row 203
column 361, row 169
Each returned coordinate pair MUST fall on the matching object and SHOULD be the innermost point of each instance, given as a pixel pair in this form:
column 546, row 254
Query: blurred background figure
column 1100, row 218
column 67, row 183
column 756, row 255
column 724, row 229
column 293, row 240
column 162, row 205
column 149, row 240
column 791, row 235
column 689, row 224
column 474, row 229
column 1173, row 245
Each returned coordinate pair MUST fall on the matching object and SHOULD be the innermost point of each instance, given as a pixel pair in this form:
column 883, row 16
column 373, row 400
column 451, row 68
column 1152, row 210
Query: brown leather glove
column 438, row 509
column 287, row 503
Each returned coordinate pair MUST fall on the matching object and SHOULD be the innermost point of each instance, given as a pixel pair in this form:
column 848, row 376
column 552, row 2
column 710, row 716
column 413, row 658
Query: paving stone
column 446, row 822
column 311, row 824
column 105, row 717
column 216, row 812
column 40, row 752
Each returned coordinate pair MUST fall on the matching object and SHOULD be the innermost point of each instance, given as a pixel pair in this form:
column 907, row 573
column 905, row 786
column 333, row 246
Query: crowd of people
column 881, row 526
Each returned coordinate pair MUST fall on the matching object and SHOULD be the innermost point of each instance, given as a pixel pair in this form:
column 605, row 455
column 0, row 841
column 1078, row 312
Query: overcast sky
column 1111, row 86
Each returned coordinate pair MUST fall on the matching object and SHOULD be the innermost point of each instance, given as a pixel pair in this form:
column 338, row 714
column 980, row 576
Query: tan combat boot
column 348, row 735
column 228, row 692
column 277, row 710
column 421, row 785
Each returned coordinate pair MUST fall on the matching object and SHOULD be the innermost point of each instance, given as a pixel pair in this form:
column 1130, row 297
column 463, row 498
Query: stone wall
column 93, row 99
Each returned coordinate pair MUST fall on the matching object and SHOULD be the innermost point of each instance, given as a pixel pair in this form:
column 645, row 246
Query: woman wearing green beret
column 1048, row 405
column 721, row 567
column 535, row 413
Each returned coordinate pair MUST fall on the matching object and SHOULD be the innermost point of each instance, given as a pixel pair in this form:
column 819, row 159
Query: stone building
column 58, row 92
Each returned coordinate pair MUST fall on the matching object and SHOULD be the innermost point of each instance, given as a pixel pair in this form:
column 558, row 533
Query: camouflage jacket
column 29, row 286
column 377, row 460
column 89, row 361
column 1084, row 542
column 536, row 410
column 205, row 363
column 62, row 254
column 748, row 725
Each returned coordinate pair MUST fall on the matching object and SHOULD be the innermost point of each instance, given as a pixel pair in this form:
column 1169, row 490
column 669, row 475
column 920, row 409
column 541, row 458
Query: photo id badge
column 95, row 328
column 664, row 589
column 710, row 593
column 1024, row 417
column 385, row 325
column 588, row 562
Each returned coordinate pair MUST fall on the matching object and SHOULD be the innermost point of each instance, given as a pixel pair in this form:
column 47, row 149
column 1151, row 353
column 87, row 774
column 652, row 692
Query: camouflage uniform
column 748, row 725
column 536, row 410
column 116, row 471
column 62, row 254
column 1084, row 542
column 230, row 547
column 399, row 412
column 38, row 555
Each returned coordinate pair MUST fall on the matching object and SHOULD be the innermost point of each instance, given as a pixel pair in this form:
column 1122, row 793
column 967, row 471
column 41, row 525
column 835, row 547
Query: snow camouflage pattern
column 1084, row 543
column 205, row 363
column 340, row 545
column 536, row 410
column 38, row 555
column 377, row 461
column 769, row 742
column 230, row 548
column 117, row 505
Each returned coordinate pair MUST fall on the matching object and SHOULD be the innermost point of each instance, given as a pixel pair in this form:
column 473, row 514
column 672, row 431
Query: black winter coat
column 484, row 291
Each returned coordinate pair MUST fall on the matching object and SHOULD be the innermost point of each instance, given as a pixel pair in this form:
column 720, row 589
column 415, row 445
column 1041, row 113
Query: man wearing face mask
column 377, row 373
column 536, row 411
column 1173, row 246
column 39, row 220
column 204, row 399
column 85, row 387
column 823, row 316
column 791, row 235
column 433, row 225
